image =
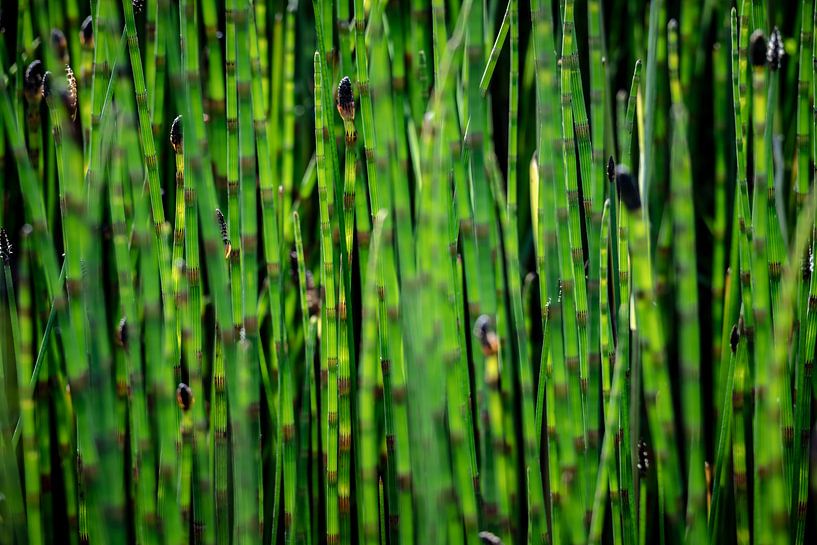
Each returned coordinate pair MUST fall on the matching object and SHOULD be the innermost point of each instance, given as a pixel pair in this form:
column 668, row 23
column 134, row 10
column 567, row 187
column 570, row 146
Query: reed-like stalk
column 35, row 209
column 141, row 451
column 608, row 351
column 249, row 255
column 803, row 375
column 177, row 254
column 15, row 528
column 270, row 228
column 31, row 476
column 368, row 446
column 804, row 93
column 742, row 194
column 344, row 424
column 761, row 298
column 655, row 376
column 328, row 275
column 215, row 86
column 719, row 228
column 398, row 362
column 778, row 493
column 574, row 127
column 686, row 300
column 288, row 110
column 803, row 371
column 493, row 58
column 33, row 93
column 60, row 95
column 362, row 69
column 536, row 509
column 599, row 502
column 388, row 160
column 739, row 462
column 720, row 473
column 482, row 287
column 594, row 189
column 742, row 73
column 202, row 180
column 156, row 69
column 233, row 207
column 203, row 514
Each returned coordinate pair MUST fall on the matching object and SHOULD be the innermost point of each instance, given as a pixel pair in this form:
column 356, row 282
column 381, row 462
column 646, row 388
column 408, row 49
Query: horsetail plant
column 183, row 390
column 655, row 377
column 346, row 109
column 30, row 453
column 687, row 298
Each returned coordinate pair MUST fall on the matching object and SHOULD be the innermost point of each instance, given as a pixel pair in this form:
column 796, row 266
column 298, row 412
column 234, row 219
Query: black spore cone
column 122, row 333
column 48, row 82
column 71, row 99
column 757, row 48
column 177, row 134
column 5, row 246
column 627, row 189
column 643, row 465
column 184, row 396
column 775, row 51
column 485, row 334
column 734, row 338
column 222, row 225
column 346, row 99
column 33, row 81
column 86, row 33
column 611, row 169
column 60, row 44
column 489, row 538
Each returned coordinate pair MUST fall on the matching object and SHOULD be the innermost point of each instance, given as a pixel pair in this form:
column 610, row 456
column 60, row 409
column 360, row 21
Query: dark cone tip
column 122, row 332
column 313, row 295
column 48, row 81
column 482, row 326
column 222, row 225
column 176, row 134
column 489, row 539
column 484, row 332
column 5, row 246
column 71, row 92
column 627, row 189
column 775, row 51
column 757, row 48
column 346, row 98
column 734, row 338
column 33, row 79
column 643, row 459
column 58, row 38
column 293, row 263
column 86, row 32
column 611, row 169
column 184, row 396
